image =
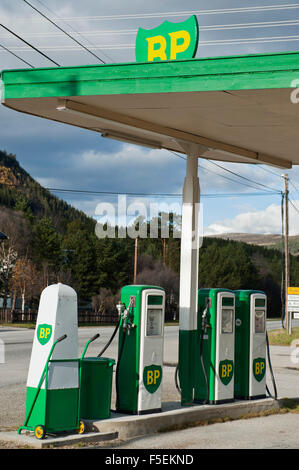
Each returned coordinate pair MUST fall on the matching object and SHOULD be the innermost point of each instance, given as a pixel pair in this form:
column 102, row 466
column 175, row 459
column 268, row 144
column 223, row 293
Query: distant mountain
column 268, row 241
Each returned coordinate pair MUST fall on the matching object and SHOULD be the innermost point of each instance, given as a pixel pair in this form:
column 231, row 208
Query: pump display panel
column 259, row 321
column 227, row 317
column 154, row 322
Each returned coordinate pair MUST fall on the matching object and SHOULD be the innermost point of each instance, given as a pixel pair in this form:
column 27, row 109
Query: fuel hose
column 203, row 366
column 117, row 368
column 271, row 370
column 111, row 339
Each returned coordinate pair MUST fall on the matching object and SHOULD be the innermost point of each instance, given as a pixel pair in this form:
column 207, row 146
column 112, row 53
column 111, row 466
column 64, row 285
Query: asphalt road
column 18, row 344
column 271, row 432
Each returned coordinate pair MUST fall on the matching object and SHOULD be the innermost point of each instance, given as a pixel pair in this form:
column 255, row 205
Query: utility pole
column 135, row 260
column 164, row 250
column 286, row 250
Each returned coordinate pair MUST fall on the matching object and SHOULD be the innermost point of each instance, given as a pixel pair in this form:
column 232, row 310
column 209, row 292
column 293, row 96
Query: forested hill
column 50, row 241
column 20, row 192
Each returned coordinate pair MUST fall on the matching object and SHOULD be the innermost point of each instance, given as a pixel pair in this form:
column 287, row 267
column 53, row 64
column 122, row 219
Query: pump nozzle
column 61, row 338
column 94, row 337
column 120, row 308
column 126, row 311
column 204, row 314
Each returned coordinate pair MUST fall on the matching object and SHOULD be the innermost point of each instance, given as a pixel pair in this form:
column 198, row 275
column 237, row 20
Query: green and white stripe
column 57, row 316
column 189, row 277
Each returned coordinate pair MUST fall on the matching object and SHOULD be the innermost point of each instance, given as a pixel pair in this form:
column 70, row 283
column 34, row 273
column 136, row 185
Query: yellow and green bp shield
column 169, row 41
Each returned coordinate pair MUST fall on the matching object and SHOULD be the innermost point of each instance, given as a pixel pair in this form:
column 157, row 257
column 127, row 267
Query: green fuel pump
column 250, row 344
column 214, row 371
column 140, row 350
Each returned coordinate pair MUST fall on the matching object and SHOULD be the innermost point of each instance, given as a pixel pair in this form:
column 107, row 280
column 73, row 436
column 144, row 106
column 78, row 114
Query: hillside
column 20, row 192
column 50, row 241
column 269, row 240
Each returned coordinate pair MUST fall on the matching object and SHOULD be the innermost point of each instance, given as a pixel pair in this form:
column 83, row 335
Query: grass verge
column 31, row 326
column 282, row 338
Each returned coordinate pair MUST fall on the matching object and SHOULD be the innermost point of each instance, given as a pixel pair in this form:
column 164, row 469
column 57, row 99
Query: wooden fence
column 30, row 316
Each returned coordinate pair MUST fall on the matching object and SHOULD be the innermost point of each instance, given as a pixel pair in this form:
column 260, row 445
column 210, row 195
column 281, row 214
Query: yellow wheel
column 39, row 432
column 81, row 428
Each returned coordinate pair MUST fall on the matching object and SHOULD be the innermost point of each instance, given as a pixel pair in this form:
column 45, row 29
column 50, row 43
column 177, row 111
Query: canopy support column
column 189, row 274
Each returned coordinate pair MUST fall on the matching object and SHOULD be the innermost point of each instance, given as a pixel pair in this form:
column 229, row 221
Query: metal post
column 290, row 323
column 135, row 260
column 189, row 276
column 286, row 250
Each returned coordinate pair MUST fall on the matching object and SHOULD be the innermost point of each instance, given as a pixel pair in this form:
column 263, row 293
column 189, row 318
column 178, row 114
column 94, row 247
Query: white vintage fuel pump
column 52, row 399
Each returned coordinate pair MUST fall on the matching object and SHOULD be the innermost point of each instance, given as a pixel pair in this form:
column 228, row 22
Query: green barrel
column 96, row 387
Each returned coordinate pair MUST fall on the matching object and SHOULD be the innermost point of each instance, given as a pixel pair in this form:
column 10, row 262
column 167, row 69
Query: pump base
column 144, row 412
column 213, row 402
column 256, row 397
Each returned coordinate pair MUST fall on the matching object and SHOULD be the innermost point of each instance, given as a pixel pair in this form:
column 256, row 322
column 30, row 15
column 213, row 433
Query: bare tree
column 24, row 279
column 155, row 273
column 8, row 258
column 104, row 302
column 18, row 230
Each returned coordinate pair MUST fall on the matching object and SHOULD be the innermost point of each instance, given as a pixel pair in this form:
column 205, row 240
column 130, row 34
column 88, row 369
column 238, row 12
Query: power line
column 116, row 193
column 134, row 194
column 81, row 34
column 240, row 176
column 111, row 193
column 15, row 55
column 263, row 24
column 295, row 207
column 222, row 42
column 226, row 177
column 260, row 24
column 269, row 171
column 234, row 181
column 266, row 39
column 219, row 11
column 56, row 25
column 28, row 44
column 67, row 48
column 231, row 26
column 297, row 190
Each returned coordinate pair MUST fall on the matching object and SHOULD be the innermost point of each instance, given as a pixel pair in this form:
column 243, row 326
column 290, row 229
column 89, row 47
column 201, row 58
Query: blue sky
column 60, row 156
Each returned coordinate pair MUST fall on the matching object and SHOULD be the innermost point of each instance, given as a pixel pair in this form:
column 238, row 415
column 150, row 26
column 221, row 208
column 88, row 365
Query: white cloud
column 127, row 154
column 263, row 222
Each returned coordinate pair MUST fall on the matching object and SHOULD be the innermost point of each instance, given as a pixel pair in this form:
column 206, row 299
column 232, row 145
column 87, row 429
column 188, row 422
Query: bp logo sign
column 44, row 333
column 259, row 368
column 226, row 371
column 152, row 377
column 169, row 41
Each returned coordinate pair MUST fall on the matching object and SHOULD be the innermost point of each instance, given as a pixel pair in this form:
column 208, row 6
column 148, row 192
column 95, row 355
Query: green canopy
column 238, row 108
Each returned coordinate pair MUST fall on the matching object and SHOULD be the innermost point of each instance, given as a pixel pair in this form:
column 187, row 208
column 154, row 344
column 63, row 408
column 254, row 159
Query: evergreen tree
column 46, row 244
column 81, row 247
